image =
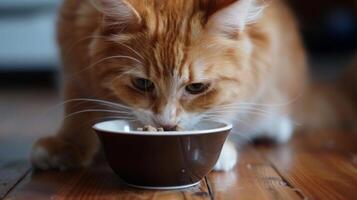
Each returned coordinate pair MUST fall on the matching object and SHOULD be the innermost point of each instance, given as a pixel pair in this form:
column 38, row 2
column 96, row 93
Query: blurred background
column 29, row 63
column 28, row 53
column 28, row 49
column 329, row 31
column 27, row 44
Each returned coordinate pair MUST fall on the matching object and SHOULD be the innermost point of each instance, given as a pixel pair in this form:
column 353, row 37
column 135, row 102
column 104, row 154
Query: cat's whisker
column 131, row 49
column 247, row 113
column 132, row 71
column 239, row 109
column 280, row 104
column 96, row 110
column 248, row 110
column 222, row 113
column 253, row 104
column 69, row 49
column 242, row 107
column 235, row 131
column 113, row 118
column 119, row 117
column 219, row 113
column 118, row 56
column 101, row 102
column 105, row 59
column 109, row 104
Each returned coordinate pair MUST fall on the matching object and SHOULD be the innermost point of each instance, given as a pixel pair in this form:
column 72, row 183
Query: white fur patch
column 228, row 158
column 278, row 128
column 41, row 159
column 168, row 114
column 283, row 130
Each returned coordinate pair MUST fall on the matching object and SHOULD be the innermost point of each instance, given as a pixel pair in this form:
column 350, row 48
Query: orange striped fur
column 245, row 54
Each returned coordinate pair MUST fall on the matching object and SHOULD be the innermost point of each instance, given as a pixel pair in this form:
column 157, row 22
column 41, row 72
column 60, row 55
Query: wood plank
column 315, row 166
column 326, row 140
column 320, row 165
column 21, row 121
column 253, row 178
column 94, row 183
column 10, row 174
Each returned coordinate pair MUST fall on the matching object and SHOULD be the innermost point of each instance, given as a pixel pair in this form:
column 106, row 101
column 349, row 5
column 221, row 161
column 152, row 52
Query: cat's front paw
column 282, row 130
column 228, row 158
column 55, row 153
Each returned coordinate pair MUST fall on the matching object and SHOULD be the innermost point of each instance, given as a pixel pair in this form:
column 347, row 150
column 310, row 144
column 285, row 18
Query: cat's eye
column 197, row 88
column 143, row 84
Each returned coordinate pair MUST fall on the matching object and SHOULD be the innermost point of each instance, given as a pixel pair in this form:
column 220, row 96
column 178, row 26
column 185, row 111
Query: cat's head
column 176, row 62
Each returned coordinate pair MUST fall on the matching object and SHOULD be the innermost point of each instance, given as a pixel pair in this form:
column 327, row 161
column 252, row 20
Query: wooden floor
column 319, row 165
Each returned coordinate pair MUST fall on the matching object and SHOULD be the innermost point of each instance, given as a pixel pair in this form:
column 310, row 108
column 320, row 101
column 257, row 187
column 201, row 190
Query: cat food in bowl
column 161, row 159
column 159, row 129
column 150, row 128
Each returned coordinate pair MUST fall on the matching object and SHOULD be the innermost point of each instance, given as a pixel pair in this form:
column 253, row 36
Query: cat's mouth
column 173, row 128
column 159, row 129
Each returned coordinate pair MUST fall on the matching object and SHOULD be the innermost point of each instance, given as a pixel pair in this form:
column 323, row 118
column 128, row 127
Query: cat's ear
column 118, row 13
column 232, row 16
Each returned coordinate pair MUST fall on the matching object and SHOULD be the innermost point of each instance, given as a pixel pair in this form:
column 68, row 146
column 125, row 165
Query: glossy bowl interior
column 161, row 160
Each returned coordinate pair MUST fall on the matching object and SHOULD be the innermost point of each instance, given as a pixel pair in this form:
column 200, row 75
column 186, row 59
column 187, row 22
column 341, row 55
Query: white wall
column 27, row 34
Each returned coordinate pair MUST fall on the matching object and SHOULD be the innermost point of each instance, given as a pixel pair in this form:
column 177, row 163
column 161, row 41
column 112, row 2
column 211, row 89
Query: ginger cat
column 169, row 63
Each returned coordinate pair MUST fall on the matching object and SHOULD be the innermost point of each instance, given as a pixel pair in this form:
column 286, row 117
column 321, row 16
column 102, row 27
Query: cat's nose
column 169, row 127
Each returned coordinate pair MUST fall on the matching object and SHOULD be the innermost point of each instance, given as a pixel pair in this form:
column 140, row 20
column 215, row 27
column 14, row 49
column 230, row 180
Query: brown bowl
column 161, row 160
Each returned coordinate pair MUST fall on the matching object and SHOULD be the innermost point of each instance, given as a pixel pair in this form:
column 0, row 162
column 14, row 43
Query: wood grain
column 96, row 183
column 20, row 123
column 253, row 178
column 320, row 165
column 10, row 174
column 317, row 165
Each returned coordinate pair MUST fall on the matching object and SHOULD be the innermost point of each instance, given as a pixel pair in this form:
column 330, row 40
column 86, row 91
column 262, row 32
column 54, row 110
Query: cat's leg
column 283, row 130
column 280, row 129
column 73, row 146
column 228, row 158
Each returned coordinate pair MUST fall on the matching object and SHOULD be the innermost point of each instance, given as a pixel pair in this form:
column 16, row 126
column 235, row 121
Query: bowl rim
column 227, row 126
